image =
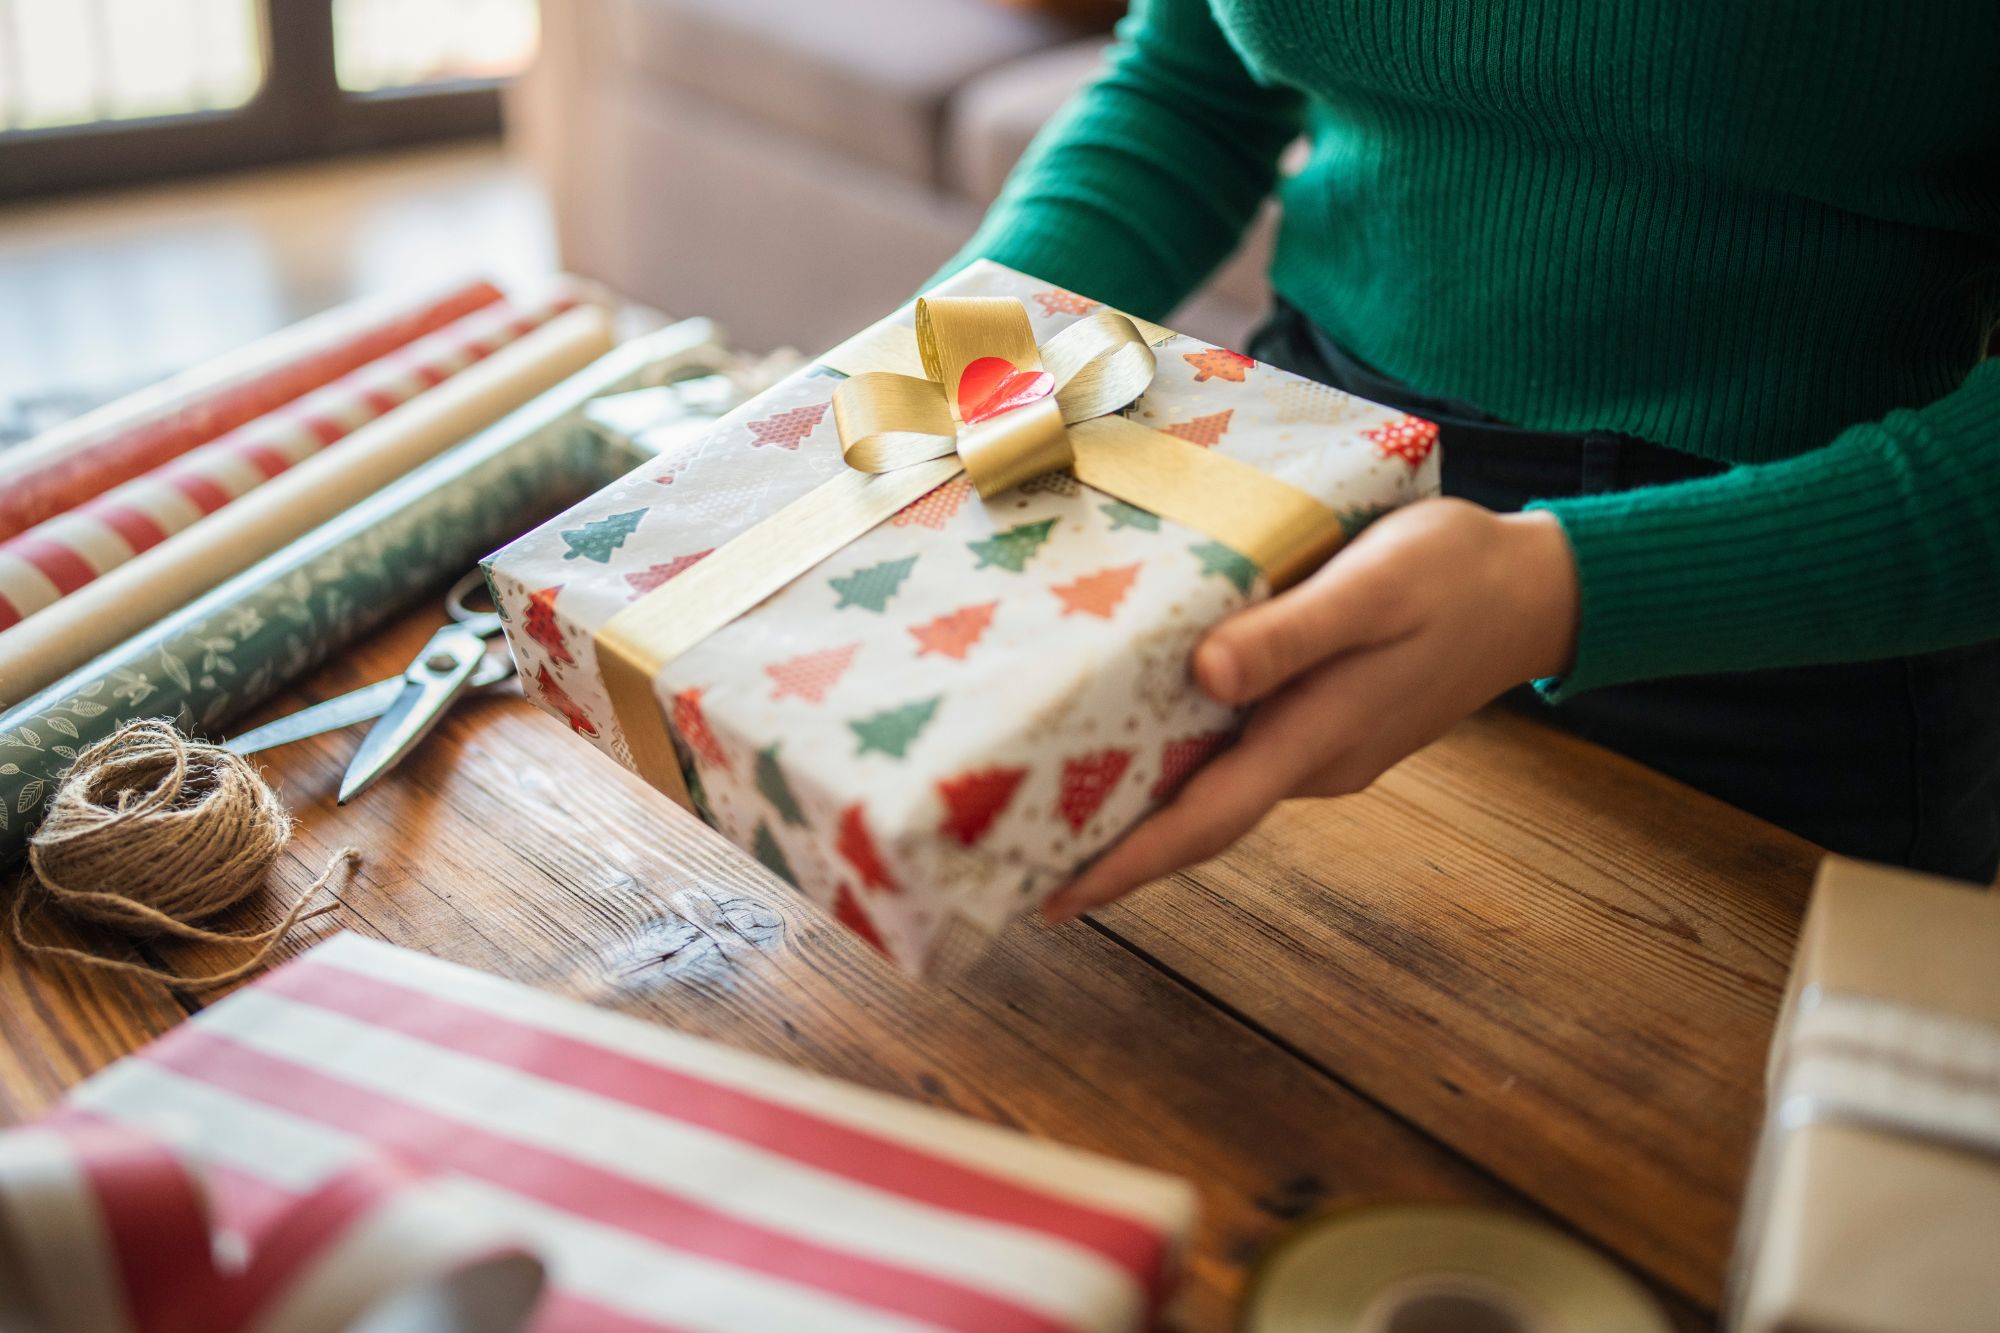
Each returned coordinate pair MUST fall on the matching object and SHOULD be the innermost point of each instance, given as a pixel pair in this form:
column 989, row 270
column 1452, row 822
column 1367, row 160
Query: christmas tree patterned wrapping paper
column 932, row 730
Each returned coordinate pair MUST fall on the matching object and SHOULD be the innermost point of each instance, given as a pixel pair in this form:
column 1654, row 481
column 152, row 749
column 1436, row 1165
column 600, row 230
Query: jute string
column 149, row 834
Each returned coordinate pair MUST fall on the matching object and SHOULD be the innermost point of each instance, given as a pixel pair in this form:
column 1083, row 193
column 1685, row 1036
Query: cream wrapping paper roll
column 56, row 557
column 63, row 637
column 61, row 468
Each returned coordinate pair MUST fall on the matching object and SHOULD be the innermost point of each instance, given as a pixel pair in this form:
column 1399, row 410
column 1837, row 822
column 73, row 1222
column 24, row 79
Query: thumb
column 1339, row 608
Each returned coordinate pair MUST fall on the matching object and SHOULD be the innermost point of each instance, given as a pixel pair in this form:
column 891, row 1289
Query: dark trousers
column 1896, row 760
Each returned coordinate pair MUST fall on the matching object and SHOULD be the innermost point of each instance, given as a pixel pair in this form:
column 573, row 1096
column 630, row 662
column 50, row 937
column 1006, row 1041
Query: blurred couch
column 795, row 168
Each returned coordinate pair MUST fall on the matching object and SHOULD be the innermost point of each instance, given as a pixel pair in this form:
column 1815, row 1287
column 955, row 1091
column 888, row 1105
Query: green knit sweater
column 1764, row 232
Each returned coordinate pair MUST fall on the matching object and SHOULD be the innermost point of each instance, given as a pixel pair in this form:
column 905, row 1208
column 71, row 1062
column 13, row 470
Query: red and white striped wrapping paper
column 49, row 561
column 668, row 1183
column 106, row 1229
column 64, row 467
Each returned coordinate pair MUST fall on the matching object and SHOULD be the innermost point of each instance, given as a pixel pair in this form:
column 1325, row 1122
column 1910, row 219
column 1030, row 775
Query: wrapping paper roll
column 49, row 561
column 241, row 643
column 61, row 468
column 123, row 602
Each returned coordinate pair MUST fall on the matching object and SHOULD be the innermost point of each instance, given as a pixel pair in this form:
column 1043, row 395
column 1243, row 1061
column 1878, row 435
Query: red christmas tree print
column 810, row 675
column 652, row 576
column 1086, row 781
column 787, row 429
column 1204, row 431
column 1056, row 301
column 555, row 697
column 974, row 800
column 858, row 848
column 691, row 725
column 1408, row 438
column 847, row 910
column 953, row 635
column 936, row 509
column 540, row 622
column 1218, row 363
column 1097, row 594
column 1179, row 759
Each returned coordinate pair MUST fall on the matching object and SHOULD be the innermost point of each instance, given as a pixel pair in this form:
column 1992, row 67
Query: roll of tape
column 1441, row 1268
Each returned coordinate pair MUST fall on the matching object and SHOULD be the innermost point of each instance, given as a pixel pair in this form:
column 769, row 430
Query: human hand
column 1432, row 612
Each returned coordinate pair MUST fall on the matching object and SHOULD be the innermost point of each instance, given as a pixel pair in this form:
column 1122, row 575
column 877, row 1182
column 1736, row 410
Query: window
column 65, row 63
column 381, row 44
column 99, row 92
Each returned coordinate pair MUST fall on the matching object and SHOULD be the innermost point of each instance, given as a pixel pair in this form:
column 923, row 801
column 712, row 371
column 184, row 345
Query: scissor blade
column 438, row 676
column 331, row 715
column 350, row 709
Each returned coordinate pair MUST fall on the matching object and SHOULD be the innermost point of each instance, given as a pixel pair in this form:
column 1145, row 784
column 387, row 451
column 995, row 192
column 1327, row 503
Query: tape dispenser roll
column 1441, row 1268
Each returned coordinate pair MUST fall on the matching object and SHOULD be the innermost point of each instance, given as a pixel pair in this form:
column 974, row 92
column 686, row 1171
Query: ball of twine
column 149, row 834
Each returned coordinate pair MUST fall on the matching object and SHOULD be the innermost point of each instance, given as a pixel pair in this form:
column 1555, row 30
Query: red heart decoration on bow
column 992, row 385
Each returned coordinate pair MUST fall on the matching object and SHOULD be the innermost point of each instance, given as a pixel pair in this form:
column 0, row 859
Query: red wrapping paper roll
column 53, row 559
column 126, row 448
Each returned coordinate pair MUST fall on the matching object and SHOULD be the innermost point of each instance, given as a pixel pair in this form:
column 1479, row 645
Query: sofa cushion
column 870, row 78
column 996, row 113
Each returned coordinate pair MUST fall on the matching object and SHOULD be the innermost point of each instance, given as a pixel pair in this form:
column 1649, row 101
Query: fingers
column 1341, row 607
column 1329, row 734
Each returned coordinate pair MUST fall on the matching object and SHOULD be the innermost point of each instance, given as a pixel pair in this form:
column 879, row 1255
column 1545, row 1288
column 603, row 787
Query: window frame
column 299, row 111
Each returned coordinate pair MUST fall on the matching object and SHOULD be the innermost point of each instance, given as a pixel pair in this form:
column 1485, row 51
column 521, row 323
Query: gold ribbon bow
column 995, row 405
column 1013, row 425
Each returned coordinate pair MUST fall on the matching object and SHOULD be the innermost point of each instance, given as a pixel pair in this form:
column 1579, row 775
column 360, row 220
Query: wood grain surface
column 1519, row 972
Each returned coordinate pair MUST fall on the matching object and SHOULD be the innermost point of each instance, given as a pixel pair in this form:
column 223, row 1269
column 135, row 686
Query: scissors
column 453, row 662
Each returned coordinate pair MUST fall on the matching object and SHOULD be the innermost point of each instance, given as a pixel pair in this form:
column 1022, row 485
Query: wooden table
column 1519, row 971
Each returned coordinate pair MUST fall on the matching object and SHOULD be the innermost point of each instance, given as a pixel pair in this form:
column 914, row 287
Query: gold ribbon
column 903, row 435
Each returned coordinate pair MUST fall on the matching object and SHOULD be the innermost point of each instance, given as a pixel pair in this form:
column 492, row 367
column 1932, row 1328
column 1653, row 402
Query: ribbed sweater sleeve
column 1883, row 543
column 1146, row 181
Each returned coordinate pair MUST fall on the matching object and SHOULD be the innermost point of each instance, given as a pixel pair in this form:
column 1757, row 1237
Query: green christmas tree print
column 493, row 593
column 767, row 851
column 893, row 731
column 596, row 541
column 697, row 793
column 871, row 588
column 1123, row 515
column 1219, row 559
column 1356, row 517
column 1012, row 548
column 771, row 782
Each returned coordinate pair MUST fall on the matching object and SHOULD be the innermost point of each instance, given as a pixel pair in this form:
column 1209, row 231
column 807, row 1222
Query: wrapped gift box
column 1874, row 1206
column 931, row 730
column 666, row 1182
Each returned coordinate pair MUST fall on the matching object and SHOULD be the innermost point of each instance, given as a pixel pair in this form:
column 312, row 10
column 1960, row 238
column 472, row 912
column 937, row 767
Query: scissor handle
column 485, row 624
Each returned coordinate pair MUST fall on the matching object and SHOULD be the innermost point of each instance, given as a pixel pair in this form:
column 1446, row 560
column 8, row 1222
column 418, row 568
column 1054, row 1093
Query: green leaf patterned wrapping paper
column 237, row 646
column 933, row 729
